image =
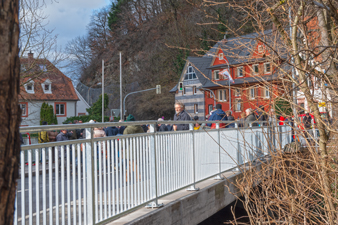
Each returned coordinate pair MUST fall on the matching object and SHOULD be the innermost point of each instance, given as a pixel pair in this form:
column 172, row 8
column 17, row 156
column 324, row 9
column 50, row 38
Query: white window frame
column 210, row 107
column 64, row 109
column 196, row 108
column 215, row 72
column 238, row 101
column 237, row 92
column 238, row 71
column 260, row 48
column 265, row 71
column 222, row 93
column 252, row 90
column 187, row 74
column 220, row 56
column 25, row 108
column 29, row 83
column 253, row 69
column 43, row 85
column 43, row 67
column 266, row 92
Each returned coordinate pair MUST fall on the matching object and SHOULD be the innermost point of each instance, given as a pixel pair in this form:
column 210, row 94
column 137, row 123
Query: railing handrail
column 131, row 123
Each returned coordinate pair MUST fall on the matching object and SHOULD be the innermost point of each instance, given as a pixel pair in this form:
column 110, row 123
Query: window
column 23, row 67
column 240, row 71
column 237, row 92
column 260, row 48
column 238, row 105
column 252, row 93
column 47, row 87
column 43, row 67
column 216, row 75
column 220, row 56
column 24, row 108
column 210, row 107
column 222, row 95
column 29, row 86
column 255, row 69
column 194, row 91
column 196, row 108
column 60, row 109
column 266, row 92
column 267, row 68
column 190, row 73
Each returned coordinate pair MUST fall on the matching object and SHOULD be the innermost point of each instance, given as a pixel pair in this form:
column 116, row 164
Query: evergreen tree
column 115, row 10
column 96, row 109
column 47, row 114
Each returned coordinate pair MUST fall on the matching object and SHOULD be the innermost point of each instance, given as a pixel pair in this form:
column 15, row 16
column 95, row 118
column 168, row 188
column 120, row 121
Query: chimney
column 30, row 56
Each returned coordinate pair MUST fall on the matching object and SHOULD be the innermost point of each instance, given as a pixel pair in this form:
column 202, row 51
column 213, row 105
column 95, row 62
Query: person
column 72, row 133
column 261, row 115
column 218, row 115
column 43, row 135
column 111, row 131
column 121, row 128
column 52, row 135
column 132, row 129
column 161, row 127
column 62, row 136
column 180, row 115
column 307, row 121
column 250, row 117
column 231, row 120
column 196, row 125
column 241, row 120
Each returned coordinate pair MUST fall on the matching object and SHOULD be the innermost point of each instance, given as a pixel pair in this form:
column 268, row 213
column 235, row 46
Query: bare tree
column 10, row 114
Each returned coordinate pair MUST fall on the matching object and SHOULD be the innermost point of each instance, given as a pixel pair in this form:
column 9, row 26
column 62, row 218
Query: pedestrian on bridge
column 218, row 115
column 180, row 115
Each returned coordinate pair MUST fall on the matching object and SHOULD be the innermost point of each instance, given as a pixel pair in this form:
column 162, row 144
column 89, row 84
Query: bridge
column 97, row 180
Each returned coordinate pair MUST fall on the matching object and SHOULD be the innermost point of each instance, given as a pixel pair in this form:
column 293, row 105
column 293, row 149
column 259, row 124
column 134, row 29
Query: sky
column 69, row 18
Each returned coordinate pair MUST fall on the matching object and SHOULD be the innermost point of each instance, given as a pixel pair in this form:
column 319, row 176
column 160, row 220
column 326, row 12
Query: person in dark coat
column 161, row 127
column 218, row 115
column 111, row 131
column 180, row 115
column 307, row 121
column 231, row 120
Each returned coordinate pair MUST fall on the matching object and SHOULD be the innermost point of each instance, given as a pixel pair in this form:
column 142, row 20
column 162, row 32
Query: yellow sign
column 321, row 104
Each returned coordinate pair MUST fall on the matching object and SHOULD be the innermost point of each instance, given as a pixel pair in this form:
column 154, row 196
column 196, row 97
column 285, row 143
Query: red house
column 254, row 70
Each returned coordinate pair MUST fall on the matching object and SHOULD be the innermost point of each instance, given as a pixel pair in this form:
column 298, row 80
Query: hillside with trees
column 155, row 38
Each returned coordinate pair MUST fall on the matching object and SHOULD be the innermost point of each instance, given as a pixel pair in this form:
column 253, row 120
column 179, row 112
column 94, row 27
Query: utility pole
column 102, row 90
column 121, row 109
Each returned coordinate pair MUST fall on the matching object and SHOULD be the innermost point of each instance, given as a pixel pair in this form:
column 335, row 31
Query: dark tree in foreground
column 10, row 114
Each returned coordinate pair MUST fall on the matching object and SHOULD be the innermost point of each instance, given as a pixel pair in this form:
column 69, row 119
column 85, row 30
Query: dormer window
column 267, row 68
column 260, row 49
column 47, row 87
column 220, row 56
column 29, row 86
column 43, row 67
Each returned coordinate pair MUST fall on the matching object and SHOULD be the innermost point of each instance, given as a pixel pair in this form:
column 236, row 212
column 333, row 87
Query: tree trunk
column 10, row 113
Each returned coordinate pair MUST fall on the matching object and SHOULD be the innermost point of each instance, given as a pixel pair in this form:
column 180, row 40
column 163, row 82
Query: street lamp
column 158, row 91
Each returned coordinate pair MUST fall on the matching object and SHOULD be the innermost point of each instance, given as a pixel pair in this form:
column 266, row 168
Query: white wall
column 81, row 105
column 34, row 108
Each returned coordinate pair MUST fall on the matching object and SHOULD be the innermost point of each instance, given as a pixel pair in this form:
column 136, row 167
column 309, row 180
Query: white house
column 42, row 82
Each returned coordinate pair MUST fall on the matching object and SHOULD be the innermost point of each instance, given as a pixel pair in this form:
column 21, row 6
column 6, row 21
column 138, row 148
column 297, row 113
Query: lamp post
column 102, row 90
column 158, row 91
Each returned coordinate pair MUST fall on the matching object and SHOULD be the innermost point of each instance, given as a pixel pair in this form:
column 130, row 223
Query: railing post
column 89, row 163
column 153, row 160
column 192, row 187
column 219, row 176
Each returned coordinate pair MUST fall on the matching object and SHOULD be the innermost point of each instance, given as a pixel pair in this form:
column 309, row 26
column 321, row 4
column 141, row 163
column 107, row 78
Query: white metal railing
column 94, row 180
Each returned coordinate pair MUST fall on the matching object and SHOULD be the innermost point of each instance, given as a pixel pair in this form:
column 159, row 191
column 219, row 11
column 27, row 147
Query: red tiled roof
column 62, row 88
